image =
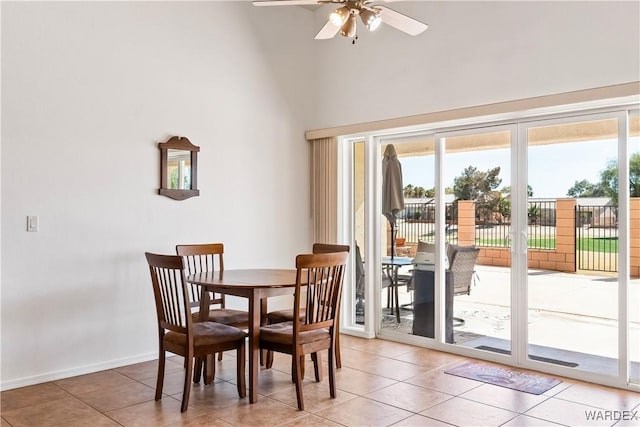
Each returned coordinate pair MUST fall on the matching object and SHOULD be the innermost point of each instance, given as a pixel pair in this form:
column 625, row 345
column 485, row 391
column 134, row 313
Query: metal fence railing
column 542, row 224
column 597, row 238
column 493, row 234
column 596, row 230
column 541, row 229
column 417, row 223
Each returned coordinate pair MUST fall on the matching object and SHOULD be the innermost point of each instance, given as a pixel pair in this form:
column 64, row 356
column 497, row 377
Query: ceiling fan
column 343, row 19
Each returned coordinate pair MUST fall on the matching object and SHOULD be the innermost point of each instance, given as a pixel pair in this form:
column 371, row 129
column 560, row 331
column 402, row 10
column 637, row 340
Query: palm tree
column 408, row 191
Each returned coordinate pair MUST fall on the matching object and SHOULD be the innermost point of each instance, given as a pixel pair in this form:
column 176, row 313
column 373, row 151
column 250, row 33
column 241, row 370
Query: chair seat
column 284, row 315
column 206, row 334
column 282, row 333
column 226, row 316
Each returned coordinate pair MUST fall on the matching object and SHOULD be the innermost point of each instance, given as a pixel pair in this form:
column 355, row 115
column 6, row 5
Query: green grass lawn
column 606, row 245
column 533, row 243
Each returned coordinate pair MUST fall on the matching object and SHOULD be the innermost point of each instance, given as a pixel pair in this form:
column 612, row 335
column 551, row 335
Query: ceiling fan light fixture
column 349, row 27
column 342, row 19
column 339, row 16
column 371, row 19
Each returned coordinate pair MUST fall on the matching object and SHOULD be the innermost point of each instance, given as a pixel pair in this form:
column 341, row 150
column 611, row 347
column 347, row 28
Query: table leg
column 254, row 346
column 397, row 304
column 263, row 321
column 204, row 365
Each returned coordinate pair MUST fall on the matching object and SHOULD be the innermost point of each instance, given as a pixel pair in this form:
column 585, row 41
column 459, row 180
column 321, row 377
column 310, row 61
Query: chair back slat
column 173, row 305
column 322, row 275
column 201, row 258
column 326, row 248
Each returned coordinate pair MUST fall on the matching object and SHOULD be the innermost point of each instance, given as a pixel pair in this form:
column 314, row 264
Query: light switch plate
column 33, row 223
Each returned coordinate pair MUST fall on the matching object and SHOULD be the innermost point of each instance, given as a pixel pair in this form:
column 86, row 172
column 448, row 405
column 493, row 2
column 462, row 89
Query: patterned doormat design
column 505, row 377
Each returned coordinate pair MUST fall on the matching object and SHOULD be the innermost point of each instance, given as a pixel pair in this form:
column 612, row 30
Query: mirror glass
column 178, row 169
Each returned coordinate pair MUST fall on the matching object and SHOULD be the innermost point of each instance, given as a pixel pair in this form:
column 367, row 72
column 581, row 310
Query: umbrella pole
column 393, row 241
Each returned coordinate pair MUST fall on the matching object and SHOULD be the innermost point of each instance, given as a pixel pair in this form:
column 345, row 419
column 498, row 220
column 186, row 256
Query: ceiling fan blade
column 400, row 21
column 328, row 31
column 285, row 2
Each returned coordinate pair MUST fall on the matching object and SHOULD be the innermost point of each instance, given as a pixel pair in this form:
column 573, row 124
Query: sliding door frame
column 621, row 379
column 519, row 176
column 441, row 151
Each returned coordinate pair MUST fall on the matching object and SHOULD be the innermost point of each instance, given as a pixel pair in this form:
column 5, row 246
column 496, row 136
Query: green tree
column 608, row 185
column 479, row 186
column 533, row 213
column 417, row 192
column 585, row 188
column 609, row 178
column 473, row 184
column 634, row 175
column 504, row 207
column 408, row 191
column 507, row 189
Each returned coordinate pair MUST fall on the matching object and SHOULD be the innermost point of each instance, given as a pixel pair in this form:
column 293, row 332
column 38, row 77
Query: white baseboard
column 67, row 373
column 356, row 332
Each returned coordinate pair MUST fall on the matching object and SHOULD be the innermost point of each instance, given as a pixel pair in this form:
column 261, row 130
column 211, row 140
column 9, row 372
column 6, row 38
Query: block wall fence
column 562, row 258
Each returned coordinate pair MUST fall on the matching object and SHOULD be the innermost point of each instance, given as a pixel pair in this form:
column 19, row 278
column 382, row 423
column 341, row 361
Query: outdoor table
column 391, row 266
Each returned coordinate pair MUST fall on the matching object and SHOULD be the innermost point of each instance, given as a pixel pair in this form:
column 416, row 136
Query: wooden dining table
column 256, row 285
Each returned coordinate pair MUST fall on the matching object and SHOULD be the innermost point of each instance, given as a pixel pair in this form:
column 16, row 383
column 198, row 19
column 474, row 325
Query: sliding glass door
column 476, row 186
column 633, row 296
column 357, row 294
column 574, row 214
column 451, row 240
column 405, row 226
column 516, row 242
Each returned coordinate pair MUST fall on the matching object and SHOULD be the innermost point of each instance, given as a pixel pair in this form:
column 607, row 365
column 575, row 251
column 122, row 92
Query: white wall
column 474, row 53
column 88, row 90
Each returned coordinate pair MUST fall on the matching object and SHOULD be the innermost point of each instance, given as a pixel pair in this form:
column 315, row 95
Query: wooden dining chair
column 209, row 257
column 286, row 315
column 318, row 289
column 179, row 334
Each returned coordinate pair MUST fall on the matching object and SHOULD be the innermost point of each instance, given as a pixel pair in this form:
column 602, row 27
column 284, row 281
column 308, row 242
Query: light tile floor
column 381, row 383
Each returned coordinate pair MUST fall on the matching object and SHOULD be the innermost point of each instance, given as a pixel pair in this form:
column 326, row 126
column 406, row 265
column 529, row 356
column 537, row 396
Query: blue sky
column 553, row 169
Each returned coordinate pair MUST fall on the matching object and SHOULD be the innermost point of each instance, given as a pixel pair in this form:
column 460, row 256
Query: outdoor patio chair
column 462, row 266
column 391, row 281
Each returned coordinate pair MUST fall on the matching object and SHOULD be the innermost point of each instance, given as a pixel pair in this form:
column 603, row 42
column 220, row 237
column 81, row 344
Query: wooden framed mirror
column 178, row 168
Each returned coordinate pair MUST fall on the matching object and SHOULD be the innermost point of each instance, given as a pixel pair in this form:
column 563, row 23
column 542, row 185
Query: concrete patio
column 572, row 317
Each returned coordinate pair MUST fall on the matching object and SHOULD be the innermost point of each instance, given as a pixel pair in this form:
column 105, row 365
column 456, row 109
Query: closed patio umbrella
column 392, row 189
